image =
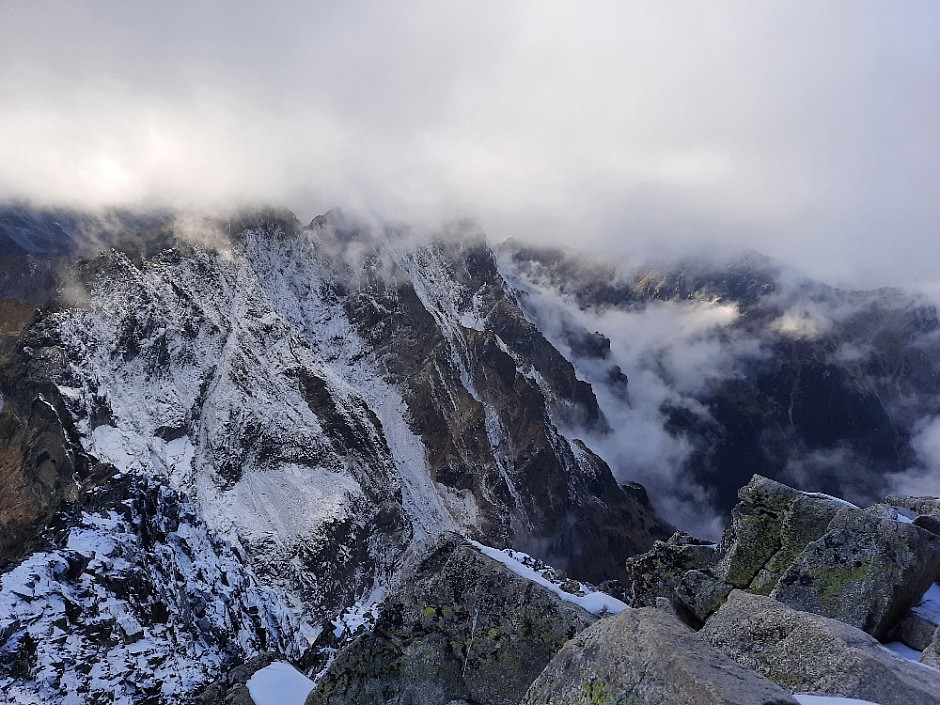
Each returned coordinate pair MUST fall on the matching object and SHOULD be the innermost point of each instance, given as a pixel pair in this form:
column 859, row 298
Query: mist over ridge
column 803, row 130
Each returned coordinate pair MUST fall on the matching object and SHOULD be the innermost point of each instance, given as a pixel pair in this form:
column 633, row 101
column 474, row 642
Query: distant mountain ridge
column 323, row 402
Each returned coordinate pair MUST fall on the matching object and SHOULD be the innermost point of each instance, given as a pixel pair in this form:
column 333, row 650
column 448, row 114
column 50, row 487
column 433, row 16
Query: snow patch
column 279, row 684
column 929, row 605
column 837, row 500
column 288, row 502
column 903, row 650
column 586, row 598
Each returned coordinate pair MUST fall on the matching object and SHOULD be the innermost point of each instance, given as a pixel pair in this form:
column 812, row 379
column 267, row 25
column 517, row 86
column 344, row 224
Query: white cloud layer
column 805, row 129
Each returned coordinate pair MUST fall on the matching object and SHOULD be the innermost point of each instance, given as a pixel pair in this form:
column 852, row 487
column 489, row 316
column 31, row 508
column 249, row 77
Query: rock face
column 461, row 628
column 804, row 652
column 769, row 527
column 815, row 553
column 42, row 462
column 647, row 657
column 931, row 655
column 867, row 570
column 134, row 600
column 487, row 393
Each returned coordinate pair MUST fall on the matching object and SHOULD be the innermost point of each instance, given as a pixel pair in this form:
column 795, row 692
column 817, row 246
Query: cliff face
column 281, row 417
column 325, row 398
column 740, row 367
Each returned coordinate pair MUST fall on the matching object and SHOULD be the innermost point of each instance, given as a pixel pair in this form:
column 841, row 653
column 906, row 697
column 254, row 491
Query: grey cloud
column 922, row 480
column 804, row 129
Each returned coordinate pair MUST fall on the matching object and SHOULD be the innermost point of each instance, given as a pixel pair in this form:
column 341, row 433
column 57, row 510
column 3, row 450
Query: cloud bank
column 804, row 129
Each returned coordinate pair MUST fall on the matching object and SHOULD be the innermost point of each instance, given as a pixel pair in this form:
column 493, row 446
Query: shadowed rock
column 462, row 627
column 931, row 655
column 804, row 652
column 656, row 573
column 867, row 570
column 648, row 657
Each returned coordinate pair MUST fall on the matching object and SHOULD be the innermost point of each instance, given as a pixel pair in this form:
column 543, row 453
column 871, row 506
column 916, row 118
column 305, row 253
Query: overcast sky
column 808, row 130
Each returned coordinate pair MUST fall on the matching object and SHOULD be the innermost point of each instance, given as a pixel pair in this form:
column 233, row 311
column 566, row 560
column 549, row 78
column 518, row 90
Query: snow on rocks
column 525, row 566
column 136, row 600
column 279, row 684
column 201, row 372
column 929, row 605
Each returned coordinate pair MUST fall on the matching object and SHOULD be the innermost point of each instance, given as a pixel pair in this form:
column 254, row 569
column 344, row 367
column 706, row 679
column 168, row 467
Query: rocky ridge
column 288, row 419
column 755, row 643
column 325, row 399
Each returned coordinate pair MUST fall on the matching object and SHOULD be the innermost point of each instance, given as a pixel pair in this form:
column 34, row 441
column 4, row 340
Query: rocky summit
column 246, row 460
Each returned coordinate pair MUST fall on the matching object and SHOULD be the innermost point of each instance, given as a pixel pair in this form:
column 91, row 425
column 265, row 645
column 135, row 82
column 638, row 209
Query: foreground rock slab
column 462, row 628
column 648, row 657
column 805, row 652
column 931, row 655
column 867, row 570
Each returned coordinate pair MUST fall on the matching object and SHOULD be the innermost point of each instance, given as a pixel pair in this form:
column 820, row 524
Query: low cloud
column 671, row 352
column 922, row 480
column 804, row 129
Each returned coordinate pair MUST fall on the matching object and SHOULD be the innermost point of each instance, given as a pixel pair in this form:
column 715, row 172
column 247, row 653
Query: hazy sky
column 808, row 130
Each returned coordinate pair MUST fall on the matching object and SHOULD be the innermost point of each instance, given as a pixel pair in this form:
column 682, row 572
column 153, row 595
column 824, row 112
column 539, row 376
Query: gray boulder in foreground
column 647, row 657
column 931, row 655
column 915, row 630
column 805, row 652
column 867, row 570
column 769, row 527
column 461, row 627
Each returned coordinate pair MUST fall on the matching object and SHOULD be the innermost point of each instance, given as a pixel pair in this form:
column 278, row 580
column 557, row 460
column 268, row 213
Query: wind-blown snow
column 837, row 500
column 131, row 606
column 586, row 598
column 279, row 684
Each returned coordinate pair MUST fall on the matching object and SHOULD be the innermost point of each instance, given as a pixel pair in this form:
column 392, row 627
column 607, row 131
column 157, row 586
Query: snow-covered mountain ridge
column 323, row 402
column 327, row 398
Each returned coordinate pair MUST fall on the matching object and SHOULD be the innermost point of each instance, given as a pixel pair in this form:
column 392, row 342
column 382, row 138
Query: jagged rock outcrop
column 647, row 657
column 462, row 627
column 769, row 527
column 865, row 567
column 867, row 570
column 42, row 462
column 804, row 652
column 487, row 393
column 658, row 572
column 134, row 600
